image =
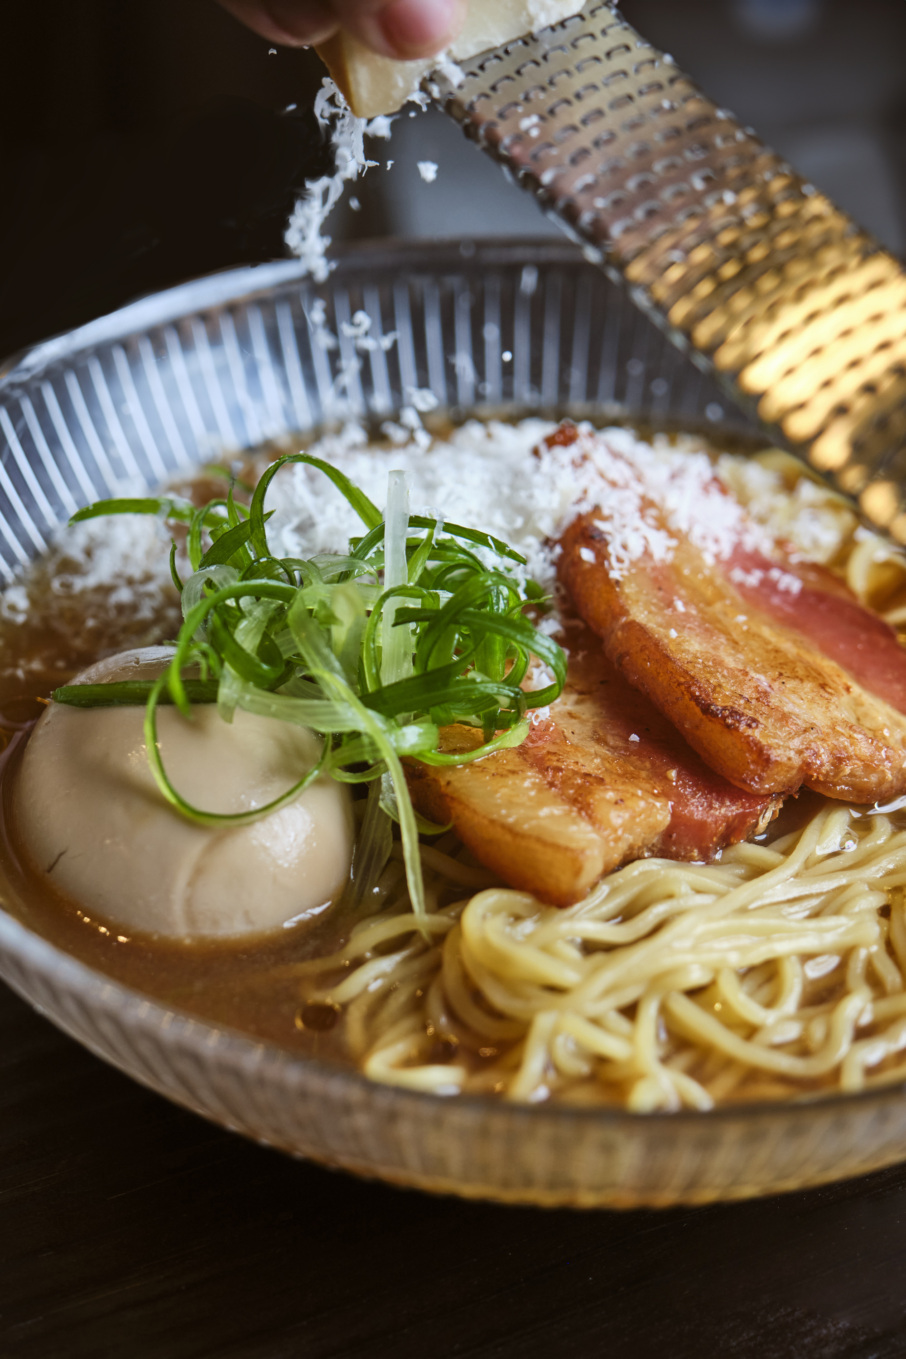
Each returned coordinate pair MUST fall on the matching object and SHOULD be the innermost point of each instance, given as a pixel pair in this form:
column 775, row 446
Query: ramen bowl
column 234, row 361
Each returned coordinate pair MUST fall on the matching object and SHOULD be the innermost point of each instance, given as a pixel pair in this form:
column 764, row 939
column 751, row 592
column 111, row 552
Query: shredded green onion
column 377, row 650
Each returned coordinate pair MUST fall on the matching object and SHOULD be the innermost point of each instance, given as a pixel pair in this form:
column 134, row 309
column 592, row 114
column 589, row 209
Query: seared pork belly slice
column 512, row 820
column 603, row 780
column 769, row 666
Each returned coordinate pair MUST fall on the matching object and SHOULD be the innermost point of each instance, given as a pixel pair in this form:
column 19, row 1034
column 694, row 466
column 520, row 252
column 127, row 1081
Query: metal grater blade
column 748, row 268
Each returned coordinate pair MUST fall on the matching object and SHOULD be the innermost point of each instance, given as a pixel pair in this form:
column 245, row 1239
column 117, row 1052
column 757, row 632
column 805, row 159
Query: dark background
column 144, row 141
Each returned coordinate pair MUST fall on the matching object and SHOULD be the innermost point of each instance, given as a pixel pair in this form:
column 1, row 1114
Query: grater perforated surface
column 752, row 270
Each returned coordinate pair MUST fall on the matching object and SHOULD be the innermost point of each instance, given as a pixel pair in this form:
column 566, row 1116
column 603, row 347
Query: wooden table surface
column 131, row 1228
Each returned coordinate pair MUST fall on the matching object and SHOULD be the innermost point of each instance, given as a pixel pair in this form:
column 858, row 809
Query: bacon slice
column 770, row 668
column 604, row 780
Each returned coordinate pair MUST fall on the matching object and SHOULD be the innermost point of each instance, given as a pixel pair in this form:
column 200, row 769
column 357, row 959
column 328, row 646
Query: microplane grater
column 748, row 268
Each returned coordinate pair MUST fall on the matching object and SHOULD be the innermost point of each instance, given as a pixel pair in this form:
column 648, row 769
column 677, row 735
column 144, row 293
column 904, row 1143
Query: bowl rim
column 234, row 287
column 229, row 287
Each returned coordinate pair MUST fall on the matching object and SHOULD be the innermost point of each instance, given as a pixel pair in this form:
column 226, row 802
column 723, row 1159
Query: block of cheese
column 374, row 84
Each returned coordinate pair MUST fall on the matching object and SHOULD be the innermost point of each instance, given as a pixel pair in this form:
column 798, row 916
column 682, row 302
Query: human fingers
column 404, row 29
column 293, row 23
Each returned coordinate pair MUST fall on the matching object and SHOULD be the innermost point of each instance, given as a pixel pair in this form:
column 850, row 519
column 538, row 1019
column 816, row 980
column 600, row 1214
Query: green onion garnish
column 410, row 631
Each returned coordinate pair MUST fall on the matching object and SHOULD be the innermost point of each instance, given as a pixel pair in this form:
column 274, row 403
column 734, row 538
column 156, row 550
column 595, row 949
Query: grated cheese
column 504, row 479
column 305, row 231
column 117, row 554
column 803, row 513
column 482, row 475
column 499, row 477
column 96, row 575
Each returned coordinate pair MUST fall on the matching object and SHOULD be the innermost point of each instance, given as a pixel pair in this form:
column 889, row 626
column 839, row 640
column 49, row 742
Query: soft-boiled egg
column 92, row 821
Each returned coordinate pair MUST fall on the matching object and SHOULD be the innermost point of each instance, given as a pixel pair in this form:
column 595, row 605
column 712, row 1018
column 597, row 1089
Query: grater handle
column 752, row 271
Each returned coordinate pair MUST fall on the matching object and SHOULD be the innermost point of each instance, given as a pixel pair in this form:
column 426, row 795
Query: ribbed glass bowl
column 228, row 363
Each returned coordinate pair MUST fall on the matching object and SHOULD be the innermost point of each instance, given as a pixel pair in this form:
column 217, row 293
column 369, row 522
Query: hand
column 405, row 29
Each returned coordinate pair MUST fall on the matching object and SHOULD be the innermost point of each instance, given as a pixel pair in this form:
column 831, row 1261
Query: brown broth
column 249, row 984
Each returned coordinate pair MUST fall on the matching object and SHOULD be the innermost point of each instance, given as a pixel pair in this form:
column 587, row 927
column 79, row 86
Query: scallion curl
column 305, row 641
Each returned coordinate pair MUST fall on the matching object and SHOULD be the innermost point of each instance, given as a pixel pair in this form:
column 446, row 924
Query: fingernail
column 419, row 28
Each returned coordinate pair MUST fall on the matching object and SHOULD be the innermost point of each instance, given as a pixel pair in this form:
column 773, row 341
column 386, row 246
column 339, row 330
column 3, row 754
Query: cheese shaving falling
column 305, row 232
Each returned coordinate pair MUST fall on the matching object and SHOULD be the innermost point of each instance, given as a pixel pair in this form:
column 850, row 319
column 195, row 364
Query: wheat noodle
column 779, row 971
